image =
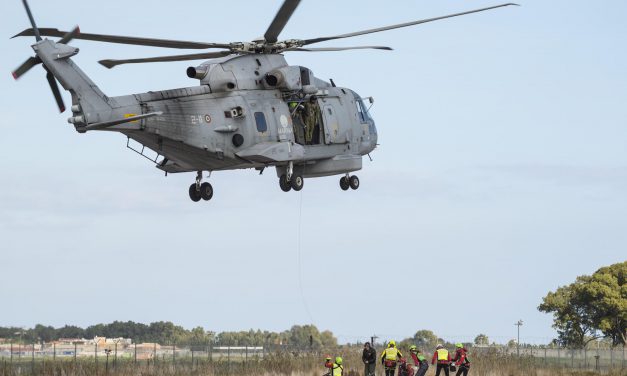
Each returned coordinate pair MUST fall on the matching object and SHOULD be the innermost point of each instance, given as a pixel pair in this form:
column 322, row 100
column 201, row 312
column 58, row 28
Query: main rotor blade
column 280, row 20
column 55, row 90
column 32, row 21
column 26, row 66
column 152, row 42
column 69, row 36
column 207, row 55
column 398, row 26
column 339, row 48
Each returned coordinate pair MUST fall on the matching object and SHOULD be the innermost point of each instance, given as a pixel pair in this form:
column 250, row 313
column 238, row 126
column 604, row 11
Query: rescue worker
column 405, row 369
column 328, row 363
column 311, row 116
column 461, row 360
column 369, row 357
column 389, row 357
column 421, row 363
column 297, row 111
column 443, row 358
column 338, row 368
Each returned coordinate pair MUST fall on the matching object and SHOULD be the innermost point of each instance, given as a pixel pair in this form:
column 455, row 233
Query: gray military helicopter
column 251, row 110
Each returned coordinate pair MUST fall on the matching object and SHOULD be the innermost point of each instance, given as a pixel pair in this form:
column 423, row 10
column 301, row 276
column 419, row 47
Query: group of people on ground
column 391, row 358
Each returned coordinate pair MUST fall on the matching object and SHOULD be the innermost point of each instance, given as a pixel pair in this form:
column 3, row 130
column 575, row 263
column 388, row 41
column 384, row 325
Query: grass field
column 272, row 364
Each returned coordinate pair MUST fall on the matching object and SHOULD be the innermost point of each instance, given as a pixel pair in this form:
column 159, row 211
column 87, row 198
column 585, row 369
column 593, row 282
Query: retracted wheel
column 354, row 182
column 297, row 182
column 284, row 184
column 344, row 184
column 194, row 194
column 206, row 191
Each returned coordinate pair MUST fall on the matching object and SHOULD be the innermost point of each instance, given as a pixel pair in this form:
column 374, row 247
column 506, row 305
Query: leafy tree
column 607, row 289
column 590, row 305
column 423, row 339
column 482, row 339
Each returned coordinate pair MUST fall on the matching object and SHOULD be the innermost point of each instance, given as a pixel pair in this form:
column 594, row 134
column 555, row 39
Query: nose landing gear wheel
column 344, row 184
column 194, row 194
column 206, row 191
column 284, row 184
column 353, row 181
column 297, row 182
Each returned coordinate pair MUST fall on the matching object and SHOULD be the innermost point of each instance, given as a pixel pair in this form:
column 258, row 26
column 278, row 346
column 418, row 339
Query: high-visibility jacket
column 391, row 353
column 442, row 356
column 337, row 370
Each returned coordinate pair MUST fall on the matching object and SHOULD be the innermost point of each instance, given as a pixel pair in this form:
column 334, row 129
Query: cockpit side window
column 362, row 113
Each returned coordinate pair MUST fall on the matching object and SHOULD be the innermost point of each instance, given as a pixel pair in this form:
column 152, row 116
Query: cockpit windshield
column 362, row 111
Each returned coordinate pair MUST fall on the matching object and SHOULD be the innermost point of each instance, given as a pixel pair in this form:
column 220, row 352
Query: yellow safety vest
column 442, row 354
column 391, row 353
column 337, row 370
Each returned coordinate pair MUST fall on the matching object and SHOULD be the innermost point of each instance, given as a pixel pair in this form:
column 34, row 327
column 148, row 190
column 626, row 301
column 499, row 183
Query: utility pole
column 372, row 339
column 518, row 324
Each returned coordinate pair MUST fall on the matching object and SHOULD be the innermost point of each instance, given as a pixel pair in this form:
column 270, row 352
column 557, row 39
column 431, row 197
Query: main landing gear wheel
column 284, row 184
column 206, row 191
column 297, row 182
column 344, row 184
column 194, row 193
column 353, row 181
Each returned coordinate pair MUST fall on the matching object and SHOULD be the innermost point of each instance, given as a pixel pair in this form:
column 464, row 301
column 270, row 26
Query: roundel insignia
column 207, row 118
column 283, row 120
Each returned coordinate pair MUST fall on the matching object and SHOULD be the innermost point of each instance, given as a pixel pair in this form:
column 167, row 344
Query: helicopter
column 251, row 108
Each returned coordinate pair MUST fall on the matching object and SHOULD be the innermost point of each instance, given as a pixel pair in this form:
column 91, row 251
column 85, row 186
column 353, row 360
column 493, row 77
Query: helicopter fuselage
column 246, row 113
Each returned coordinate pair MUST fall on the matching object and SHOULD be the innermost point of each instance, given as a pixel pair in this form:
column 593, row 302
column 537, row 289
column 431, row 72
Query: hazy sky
column 501, row 175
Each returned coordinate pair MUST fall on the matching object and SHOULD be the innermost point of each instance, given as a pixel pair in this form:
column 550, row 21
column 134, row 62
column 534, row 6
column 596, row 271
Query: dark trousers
column 462, row 370
column 369, row 369
column 389, row 371
column 441, row 367
column 422, row 369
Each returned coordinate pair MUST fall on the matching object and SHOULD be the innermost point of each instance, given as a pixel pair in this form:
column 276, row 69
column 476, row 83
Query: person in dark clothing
column 444, row 359
column 369, row 357
column 461, row 360
column 421, row 363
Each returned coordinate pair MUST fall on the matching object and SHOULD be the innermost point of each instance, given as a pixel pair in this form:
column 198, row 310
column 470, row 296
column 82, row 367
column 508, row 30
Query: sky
column 501, row 174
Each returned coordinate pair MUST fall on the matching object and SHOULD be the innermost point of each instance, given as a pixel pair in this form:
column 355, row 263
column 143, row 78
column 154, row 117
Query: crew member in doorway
column 421, row 363
column 311, row 118
column 461, row 360
column 389, row 357
column 443, row 358
column 369, row 357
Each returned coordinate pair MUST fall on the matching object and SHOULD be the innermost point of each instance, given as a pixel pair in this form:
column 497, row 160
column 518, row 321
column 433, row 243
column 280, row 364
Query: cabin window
column 362, row 113
column 260, row 120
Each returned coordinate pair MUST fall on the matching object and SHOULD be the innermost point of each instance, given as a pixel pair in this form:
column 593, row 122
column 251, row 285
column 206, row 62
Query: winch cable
column 299, row 255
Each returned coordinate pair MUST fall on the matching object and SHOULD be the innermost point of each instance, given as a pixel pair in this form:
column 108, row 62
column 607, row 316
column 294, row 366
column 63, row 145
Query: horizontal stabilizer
column 107, row 124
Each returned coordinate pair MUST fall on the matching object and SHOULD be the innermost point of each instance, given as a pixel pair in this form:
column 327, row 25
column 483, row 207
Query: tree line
column 590, row 308
column 165, row 332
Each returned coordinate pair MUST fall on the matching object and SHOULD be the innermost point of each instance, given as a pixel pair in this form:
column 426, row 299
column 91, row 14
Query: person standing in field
column 421, row 363
column 443, row 358
column 461, row 360
column 338, row 367
column 389, row 357
column 369, row 357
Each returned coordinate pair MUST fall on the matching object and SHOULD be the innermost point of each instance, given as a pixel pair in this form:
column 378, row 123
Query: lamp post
column 518, row 324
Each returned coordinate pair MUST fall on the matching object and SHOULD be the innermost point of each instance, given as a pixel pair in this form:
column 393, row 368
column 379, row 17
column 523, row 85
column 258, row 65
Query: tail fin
column 85, row 93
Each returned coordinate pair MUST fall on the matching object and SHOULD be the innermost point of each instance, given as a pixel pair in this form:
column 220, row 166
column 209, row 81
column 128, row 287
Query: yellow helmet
column 392, row 343
column 338, row 360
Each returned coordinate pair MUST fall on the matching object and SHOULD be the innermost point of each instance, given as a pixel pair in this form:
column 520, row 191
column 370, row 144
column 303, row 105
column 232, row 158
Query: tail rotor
column 35, row 60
